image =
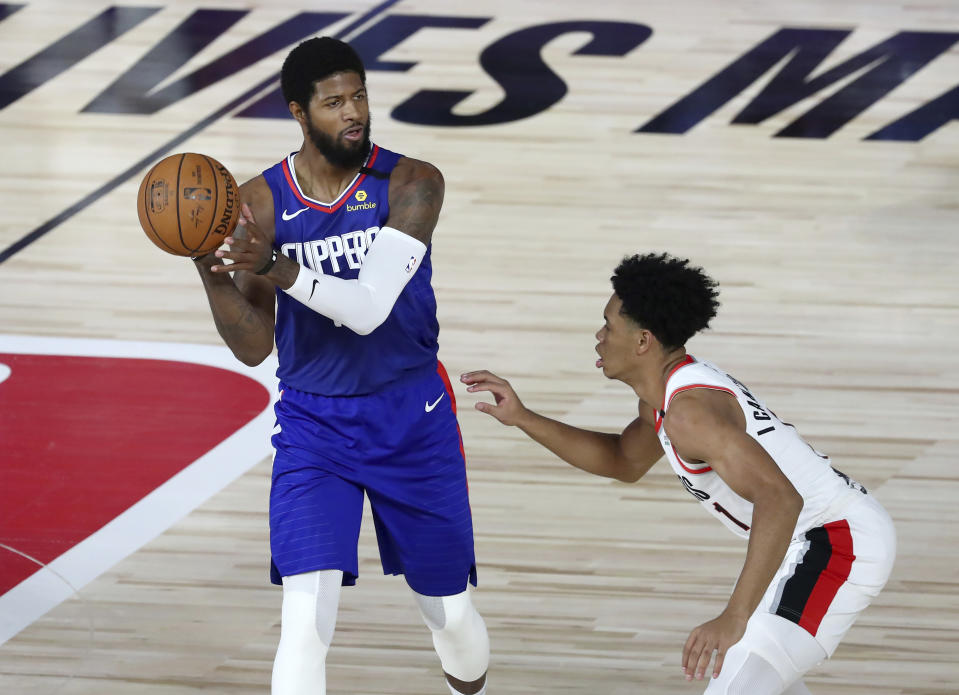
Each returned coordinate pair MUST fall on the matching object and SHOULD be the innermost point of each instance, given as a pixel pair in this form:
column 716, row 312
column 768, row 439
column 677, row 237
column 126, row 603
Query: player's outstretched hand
column 717, row 635
column 508, row 408
column 248, row 247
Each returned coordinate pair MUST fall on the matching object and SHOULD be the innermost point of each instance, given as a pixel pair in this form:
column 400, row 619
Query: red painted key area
column 84, row 438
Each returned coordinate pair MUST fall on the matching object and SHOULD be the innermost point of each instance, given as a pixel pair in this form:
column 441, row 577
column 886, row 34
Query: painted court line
column 159, row 509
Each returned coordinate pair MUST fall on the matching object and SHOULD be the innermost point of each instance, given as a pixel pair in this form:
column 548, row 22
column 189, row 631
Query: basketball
column 188, row 204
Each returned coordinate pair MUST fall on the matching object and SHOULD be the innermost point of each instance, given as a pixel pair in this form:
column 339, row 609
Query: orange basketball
column 188, row 204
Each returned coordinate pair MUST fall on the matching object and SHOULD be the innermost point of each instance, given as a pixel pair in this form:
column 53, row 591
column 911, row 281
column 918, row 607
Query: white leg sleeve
column 459, row 634
column 308, row 618
column 774, row 653
column 745, row 673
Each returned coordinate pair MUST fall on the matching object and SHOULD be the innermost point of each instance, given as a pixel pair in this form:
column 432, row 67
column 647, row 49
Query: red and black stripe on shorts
column 808, row 593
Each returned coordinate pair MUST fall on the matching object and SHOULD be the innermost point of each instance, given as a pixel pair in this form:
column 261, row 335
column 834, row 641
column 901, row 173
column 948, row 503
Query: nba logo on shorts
column 411, row 264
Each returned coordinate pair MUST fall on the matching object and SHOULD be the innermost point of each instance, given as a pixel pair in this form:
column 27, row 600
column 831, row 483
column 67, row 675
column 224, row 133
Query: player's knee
column 461, row 616
column 746, row 674
column 453, row 615
column 459, row 634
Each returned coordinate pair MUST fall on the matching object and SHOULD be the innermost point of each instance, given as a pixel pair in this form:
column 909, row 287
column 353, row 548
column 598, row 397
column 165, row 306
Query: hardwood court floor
column 836, row 253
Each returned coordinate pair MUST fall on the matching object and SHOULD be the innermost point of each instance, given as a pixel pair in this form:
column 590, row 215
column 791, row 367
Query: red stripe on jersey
column 688, row 360
column 694, row 471
column 441, row 370
column 324, row 207
column 372, row 159
column 659, row 420
column 833, row 577
column 700, row 386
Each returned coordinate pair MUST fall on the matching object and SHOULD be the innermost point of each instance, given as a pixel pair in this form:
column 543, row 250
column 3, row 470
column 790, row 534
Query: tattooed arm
column 416, row 196
column 243, row 304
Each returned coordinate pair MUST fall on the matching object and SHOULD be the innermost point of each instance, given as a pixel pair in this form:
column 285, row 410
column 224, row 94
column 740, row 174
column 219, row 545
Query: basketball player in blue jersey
column 819, row 547
column 332, row 257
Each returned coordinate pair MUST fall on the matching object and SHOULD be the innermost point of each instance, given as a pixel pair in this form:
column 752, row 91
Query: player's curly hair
column 666, row 296
column 313, row 60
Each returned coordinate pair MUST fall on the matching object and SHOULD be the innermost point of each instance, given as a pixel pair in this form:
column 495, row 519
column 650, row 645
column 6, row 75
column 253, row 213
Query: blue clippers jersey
column 315, row 355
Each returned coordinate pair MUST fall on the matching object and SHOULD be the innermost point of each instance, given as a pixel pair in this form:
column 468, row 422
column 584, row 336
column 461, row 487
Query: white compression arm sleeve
column 364, row 303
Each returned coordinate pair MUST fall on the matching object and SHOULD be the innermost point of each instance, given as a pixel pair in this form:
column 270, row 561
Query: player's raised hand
column 248, row 247
column 508, row 408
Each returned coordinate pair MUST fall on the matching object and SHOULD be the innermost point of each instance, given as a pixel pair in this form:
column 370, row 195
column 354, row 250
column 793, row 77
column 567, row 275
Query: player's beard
column 345, row 156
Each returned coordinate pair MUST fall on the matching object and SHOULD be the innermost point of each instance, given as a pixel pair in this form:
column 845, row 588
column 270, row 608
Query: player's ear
column 297, row 112
column 644, row 341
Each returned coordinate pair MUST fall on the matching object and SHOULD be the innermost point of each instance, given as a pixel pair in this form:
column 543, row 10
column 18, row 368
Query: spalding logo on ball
column 188, row 204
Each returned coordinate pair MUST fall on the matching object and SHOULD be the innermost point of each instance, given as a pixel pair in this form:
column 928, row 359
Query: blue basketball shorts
column 402, row 448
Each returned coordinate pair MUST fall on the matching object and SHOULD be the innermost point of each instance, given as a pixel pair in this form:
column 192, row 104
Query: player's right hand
column 248, row 247
column 508, row 408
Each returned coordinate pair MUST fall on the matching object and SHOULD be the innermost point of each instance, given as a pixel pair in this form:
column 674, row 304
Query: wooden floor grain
column 837, row 259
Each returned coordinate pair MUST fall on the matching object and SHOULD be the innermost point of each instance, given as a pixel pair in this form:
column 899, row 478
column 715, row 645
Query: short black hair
column 313, row 60
column 665, row 295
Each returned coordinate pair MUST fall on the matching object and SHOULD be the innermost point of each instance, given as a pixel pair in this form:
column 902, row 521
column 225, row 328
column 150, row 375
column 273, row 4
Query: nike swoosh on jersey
column 287, row 217
column 430, row 406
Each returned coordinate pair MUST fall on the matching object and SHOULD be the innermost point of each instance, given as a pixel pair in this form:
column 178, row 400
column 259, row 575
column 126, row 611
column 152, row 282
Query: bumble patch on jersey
column 361, row 202
column 360, row 206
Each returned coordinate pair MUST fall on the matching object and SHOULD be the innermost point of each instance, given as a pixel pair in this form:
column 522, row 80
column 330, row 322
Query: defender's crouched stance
column 820, row 547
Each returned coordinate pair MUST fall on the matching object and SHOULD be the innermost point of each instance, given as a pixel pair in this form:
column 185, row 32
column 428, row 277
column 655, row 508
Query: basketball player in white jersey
column 820, row 548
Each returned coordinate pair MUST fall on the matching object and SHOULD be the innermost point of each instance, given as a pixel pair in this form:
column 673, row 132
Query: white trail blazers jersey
column 825, row 491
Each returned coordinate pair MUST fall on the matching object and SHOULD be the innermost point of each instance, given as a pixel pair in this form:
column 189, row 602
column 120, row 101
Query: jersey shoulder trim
column 687, row 387
column 699, row 375
column 660, row 415
column 660, row 419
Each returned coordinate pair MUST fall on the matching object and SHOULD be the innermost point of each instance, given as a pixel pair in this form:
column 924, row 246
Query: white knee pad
column 785, row 645
column 774, row 653
column 459, row 634
column 310, row 602
column 745, row 673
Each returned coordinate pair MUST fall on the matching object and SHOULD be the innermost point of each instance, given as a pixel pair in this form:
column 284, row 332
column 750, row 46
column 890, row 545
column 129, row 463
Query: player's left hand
column 717, row 635
column 248, row 248
column 509, row 409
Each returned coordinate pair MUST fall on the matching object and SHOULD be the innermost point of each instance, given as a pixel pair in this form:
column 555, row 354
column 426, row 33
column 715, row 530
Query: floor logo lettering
column 514, row 62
